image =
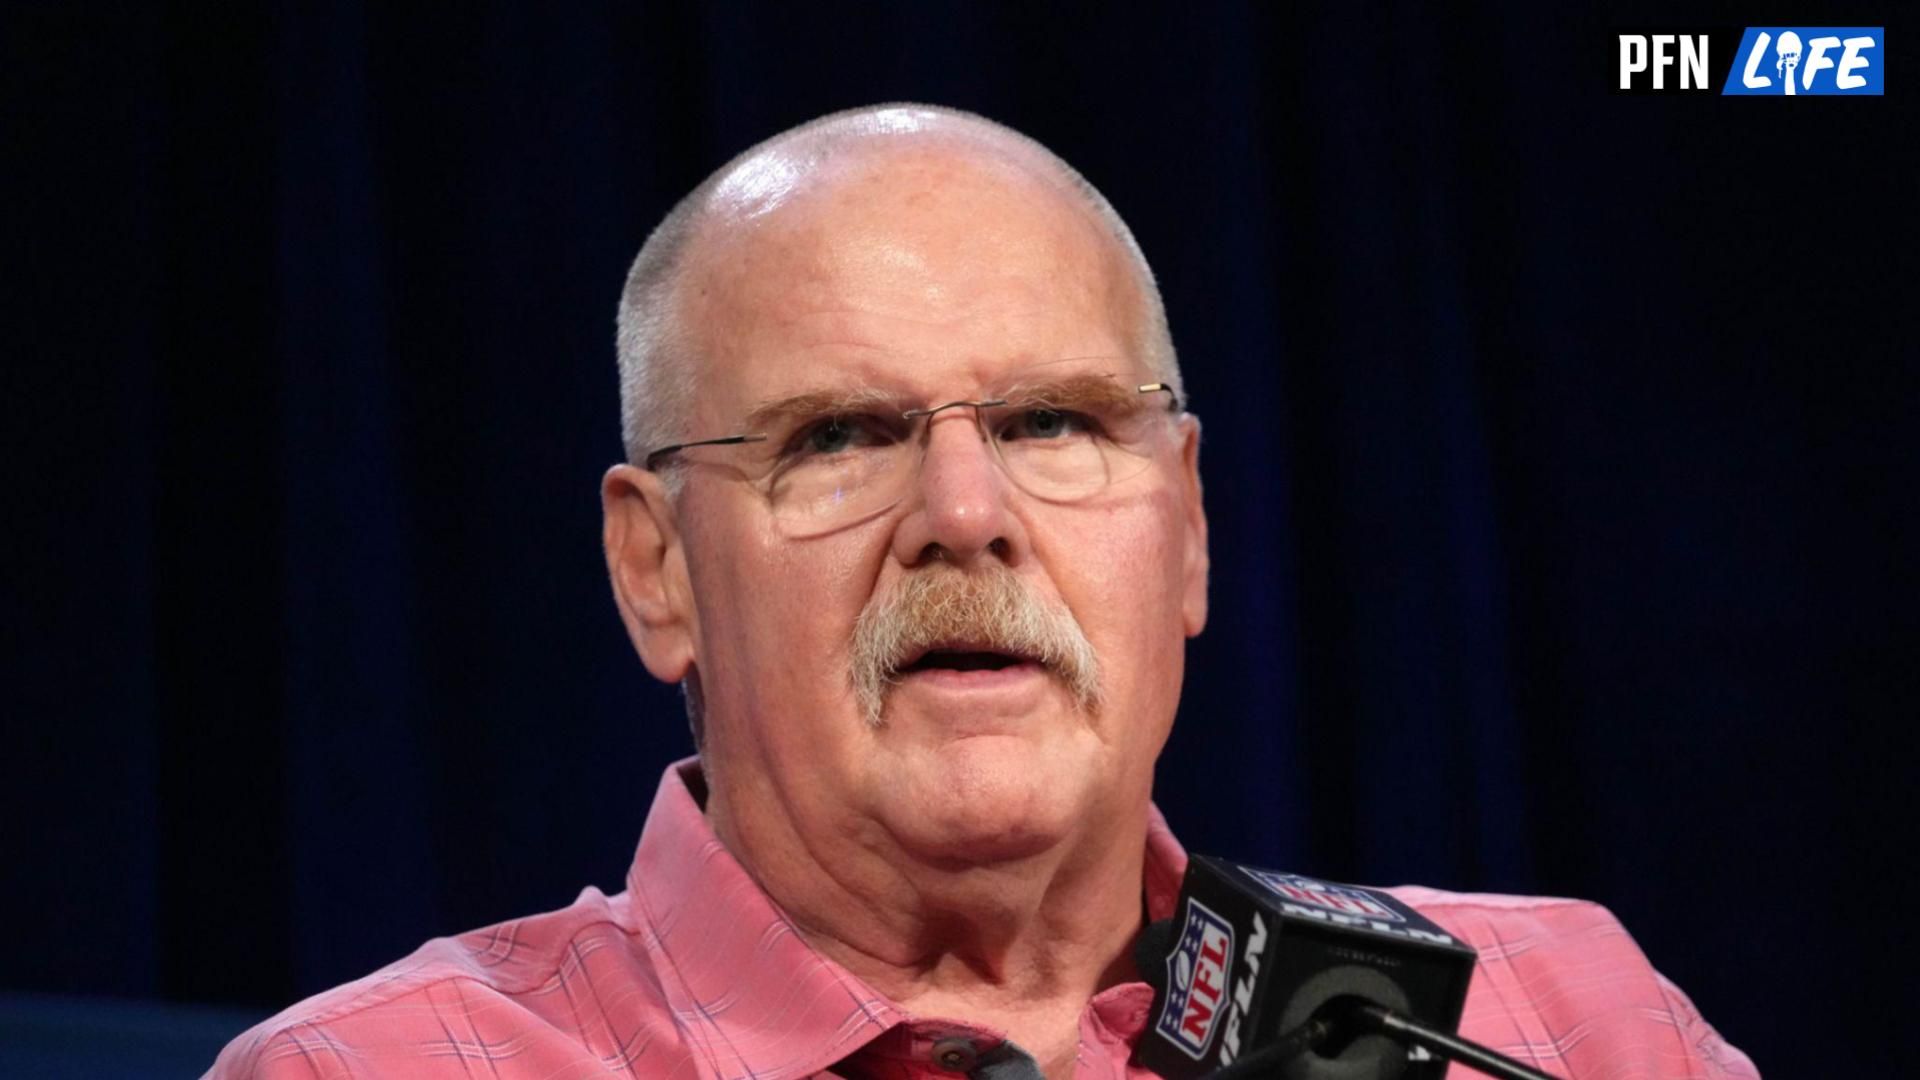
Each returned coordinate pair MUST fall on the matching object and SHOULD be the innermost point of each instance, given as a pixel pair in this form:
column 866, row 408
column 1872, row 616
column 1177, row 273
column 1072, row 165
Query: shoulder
column 1520, row 923
column 502, row 990
column 1561, row 983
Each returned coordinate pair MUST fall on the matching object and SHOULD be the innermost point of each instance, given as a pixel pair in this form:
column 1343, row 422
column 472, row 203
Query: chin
column 988, row 799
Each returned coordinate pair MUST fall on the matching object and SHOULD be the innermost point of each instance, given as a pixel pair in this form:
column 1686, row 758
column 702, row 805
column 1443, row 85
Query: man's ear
column 1193, row 605
column 648, row 567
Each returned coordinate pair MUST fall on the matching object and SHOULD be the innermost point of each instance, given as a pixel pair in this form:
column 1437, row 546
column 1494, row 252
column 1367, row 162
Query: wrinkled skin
column 978, row 854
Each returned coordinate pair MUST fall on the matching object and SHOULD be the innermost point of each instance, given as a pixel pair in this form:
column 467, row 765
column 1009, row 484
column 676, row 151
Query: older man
column 912, row 512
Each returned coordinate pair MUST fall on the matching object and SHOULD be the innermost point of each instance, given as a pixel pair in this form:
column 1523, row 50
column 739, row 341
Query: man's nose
column 958, row 509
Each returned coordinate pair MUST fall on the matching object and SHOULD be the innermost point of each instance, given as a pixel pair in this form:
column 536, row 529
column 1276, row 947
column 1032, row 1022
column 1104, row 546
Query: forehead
column 929, row 268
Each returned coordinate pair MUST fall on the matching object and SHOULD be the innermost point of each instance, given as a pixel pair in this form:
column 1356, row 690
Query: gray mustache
column 993, row 608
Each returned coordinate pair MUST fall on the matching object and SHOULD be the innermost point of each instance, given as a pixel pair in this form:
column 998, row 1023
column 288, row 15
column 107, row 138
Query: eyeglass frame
column 652, row 457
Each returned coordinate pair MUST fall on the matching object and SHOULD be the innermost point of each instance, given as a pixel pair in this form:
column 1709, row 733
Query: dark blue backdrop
column 1559, row 454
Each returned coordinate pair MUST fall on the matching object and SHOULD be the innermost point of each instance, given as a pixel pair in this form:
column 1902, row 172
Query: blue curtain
column 1560, row 458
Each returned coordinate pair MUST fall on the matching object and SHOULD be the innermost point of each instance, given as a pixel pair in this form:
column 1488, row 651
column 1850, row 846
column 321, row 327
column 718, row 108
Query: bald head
column 865, row 170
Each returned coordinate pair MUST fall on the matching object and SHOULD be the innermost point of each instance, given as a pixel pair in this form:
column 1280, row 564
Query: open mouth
column 963, row 658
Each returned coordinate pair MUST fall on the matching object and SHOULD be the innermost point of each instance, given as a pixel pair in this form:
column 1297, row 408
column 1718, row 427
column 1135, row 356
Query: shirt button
column 957, row 1055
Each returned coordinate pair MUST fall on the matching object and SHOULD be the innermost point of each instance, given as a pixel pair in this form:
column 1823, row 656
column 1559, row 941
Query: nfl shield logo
column 1196, row 980
column 1341, row 899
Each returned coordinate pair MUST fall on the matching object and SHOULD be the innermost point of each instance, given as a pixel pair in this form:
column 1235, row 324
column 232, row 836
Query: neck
column 1020, row 945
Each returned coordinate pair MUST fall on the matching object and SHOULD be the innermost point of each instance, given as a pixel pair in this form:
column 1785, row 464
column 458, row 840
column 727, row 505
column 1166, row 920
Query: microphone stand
column 1378, row 1020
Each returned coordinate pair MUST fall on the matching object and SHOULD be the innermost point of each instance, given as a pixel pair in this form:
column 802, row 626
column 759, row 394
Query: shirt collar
column 736, row 970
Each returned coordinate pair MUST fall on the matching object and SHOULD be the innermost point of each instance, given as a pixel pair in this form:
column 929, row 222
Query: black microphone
column 1264, row 973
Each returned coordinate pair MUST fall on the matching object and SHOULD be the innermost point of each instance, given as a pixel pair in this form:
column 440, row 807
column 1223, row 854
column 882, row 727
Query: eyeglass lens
column 1067, row 431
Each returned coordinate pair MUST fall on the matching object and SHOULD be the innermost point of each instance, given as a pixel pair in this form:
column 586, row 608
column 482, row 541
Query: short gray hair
column 656, row 372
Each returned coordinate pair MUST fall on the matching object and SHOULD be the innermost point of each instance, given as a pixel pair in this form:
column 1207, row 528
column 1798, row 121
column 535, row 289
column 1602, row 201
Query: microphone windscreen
column 1254, row 954
column 1150, row 951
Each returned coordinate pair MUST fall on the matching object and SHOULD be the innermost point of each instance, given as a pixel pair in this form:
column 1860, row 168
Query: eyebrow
column 816, row 403
column 1086, row 390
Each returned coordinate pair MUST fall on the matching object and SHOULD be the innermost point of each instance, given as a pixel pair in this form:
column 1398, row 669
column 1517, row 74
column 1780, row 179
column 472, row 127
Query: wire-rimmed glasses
column 1063, row 431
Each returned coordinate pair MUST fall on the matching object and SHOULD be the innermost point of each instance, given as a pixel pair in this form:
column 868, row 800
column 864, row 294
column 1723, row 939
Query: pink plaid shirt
column 693, row 972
